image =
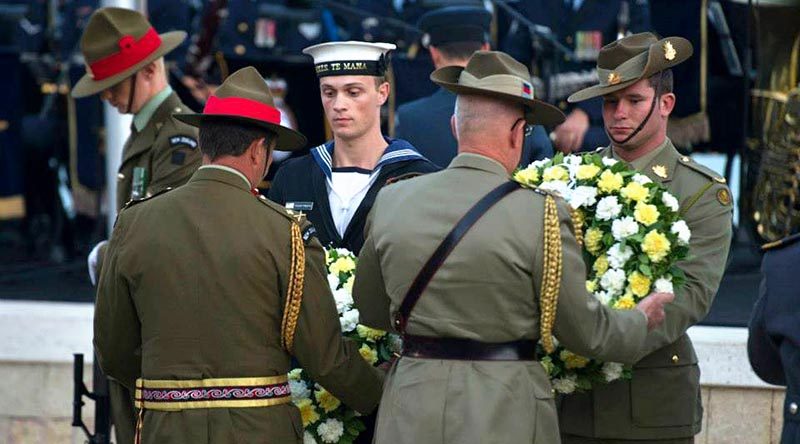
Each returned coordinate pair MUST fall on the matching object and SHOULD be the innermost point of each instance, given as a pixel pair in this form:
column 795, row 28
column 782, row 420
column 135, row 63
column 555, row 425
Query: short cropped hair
column 222, row 138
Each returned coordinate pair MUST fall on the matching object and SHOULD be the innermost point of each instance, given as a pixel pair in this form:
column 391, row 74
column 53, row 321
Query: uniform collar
column 218, row 173
column 478, row 162
column 658, row 165
column 230, row 170
column 397, row 150
column 141, row 118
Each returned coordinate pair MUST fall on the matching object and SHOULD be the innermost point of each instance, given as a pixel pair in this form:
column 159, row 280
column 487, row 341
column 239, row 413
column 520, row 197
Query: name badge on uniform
column 138, row 183
column 298, row 209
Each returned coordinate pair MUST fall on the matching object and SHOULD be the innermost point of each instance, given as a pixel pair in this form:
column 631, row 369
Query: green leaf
column 645, row 269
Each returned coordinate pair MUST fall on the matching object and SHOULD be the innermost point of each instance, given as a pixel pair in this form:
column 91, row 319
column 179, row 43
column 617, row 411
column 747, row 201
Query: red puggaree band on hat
column 131, row 52
column 241, row 107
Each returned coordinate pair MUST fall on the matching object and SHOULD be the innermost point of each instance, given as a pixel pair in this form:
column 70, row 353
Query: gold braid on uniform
column 577, row 225
column 551, row 276
column 294, row 294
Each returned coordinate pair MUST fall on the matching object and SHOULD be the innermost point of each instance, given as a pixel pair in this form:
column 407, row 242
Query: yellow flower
column 571, row 360
column 368, row 353
column 326, row 400
column 609, row 182
column 527, row 176
column 370, row 334
column 600, row 265
column 555, row 173
column 655, row 245
column 635, row 191
column 586, row 172
column 343, row 265
column 593, row 239
column 591, row 286
column 626, row 302
column 646, row 214
column 348, row 285
column 307, row 411
column 640, row 284
column 294, row 375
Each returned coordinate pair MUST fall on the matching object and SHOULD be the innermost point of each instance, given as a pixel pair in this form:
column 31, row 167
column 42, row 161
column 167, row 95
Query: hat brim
column 537, row 112
column 287, row 139
column 87, row 86
column 656, row 62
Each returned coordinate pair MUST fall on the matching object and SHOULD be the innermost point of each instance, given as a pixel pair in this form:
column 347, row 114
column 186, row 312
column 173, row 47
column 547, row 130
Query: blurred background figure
column 452, row 34
column 581, row 27
column 774, row 342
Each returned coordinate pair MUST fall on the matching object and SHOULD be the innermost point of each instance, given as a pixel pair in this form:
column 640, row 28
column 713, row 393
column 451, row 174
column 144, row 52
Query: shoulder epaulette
column 275, row 207
column 780, row 243
column 401, row 178
column 702, row 169
column 133, row 202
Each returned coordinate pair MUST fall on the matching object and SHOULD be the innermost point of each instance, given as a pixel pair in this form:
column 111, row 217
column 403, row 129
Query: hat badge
column 613, row 78
column 669, row 51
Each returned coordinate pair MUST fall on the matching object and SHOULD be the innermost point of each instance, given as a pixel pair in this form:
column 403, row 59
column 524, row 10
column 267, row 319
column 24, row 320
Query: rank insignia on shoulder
column 189, row 141
column 724, row 197
column 308, row 233
column 660, row 171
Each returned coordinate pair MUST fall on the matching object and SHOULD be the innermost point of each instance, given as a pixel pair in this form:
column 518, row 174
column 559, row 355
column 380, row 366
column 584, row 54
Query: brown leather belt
column 467, row 349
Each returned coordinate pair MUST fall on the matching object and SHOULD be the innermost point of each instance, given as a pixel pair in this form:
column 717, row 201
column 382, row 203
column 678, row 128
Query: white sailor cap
column 350, row 58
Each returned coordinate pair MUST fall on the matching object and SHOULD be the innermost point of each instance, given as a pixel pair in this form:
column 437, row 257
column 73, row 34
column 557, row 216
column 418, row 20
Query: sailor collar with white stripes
column 396, row 151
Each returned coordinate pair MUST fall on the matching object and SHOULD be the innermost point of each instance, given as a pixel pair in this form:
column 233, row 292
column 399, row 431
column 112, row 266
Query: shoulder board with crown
column 702, row 169
column 780, row 243
column 133, row 202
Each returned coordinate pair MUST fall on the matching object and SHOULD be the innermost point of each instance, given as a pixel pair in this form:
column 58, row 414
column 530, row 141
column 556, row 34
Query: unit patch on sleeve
column 183, row 140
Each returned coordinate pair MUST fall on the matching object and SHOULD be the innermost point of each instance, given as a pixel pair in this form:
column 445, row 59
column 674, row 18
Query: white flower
column 566, row 385
column 349, row 320
column 609, row 162
column 682, row 231
column 583, row 196
column 344, row 300
column 573, row 160
column 603, row 297
column 663, row 285
column 333, row 281
column 618, row 255
column 331, row 430
column 344, row 252
column 558, row 186
column 622, row 228
column 641, row 179
column 608, row 208
column 670, row 201
column 308, row 438
column 611, row 371
column 299, row 390
column 538, row 163
column 613, row 280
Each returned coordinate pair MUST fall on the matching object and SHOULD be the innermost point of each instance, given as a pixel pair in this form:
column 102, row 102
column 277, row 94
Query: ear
column 254, row 151
column 518, row 135
column 149, row 70
column 436, row 55
column 383, row 93
column 271, row 149
column 453, row 126
column 666, row 104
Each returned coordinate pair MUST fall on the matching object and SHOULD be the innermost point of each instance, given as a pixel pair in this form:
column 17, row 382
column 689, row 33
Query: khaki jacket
column 194, row 287
column 662, row 401
column 487, row 290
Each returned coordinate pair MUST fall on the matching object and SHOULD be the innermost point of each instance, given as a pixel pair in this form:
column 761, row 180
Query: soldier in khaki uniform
column 662, row 401
column 204, row 314
column 125, row 64
column 468, row 372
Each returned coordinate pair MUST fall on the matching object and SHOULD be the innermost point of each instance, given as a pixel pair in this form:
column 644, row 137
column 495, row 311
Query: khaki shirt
column 486, row 290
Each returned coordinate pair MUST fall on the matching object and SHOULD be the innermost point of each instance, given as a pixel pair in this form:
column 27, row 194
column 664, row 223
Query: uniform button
column 239, row 50
column 243, row 27
column 675, row 359
column 261, row 196
column 178, row 109
column 685, row 158
column 120, row 176
column 793, row 408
